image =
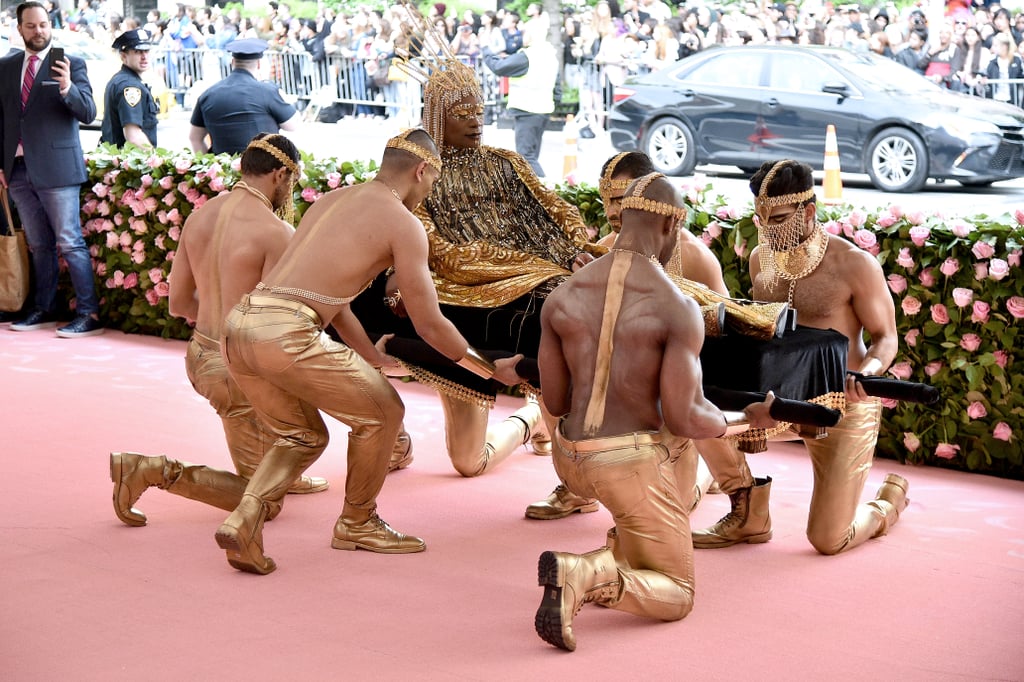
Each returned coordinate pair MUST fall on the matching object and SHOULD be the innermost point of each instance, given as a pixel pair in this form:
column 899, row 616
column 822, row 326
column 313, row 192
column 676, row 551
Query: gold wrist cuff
column 477, row 364
column 735, row 422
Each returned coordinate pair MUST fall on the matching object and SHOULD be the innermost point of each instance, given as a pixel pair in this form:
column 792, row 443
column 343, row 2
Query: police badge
column 132, row 96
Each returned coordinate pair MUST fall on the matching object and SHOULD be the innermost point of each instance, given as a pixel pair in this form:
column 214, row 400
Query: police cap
column 136, row 39
column 247, row 48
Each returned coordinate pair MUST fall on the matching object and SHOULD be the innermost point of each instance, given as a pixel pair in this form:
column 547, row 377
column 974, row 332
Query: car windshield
column 881, row 73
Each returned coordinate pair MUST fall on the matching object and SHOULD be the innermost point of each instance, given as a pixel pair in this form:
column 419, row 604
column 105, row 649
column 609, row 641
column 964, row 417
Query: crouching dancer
column 274, row 349
column 621, row 456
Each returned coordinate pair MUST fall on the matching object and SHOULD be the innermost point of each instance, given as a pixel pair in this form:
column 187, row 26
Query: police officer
column 129, row 110
column 240, row 107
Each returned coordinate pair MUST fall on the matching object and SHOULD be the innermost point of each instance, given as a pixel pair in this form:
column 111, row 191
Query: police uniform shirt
column 239, row 108
column 128, row 101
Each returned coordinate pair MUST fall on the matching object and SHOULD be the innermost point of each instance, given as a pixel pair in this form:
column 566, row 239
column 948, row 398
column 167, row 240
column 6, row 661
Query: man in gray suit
column 42, row 101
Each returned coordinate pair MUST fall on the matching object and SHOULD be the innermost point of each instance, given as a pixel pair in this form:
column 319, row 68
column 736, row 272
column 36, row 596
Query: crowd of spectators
column 958, row 45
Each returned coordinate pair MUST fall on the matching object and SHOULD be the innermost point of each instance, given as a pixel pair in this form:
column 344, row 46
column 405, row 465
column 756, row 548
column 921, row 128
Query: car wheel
column 897, row 161
column 669, row 143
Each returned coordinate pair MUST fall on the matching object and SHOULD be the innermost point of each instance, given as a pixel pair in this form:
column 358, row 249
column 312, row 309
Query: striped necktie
column 30, row 78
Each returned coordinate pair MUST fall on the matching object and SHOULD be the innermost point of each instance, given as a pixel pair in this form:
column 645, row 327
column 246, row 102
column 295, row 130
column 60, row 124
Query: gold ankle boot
column 559, row 504
column 241, row 536
column 748, row 521
column 131, row 474
column 569, row 582
column 890, row 500
column 374, row 535
column 401, row 456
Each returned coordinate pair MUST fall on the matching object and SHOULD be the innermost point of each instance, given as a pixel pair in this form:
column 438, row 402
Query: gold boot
column 569, row 582
column 241, row 536
column 891, row 500
column 748, row 521
column 559, row 504
column 374, row 535
column 401, row 456
column 131, row 474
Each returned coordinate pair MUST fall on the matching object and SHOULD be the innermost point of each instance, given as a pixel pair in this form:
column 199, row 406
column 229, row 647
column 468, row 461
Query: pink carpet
column 84, row 597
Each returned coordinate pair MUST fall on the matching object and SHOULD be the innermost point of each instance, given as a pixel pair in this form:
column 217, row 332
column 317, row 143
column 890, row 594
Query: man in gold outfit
column 834, row 285
column 615, row 419
column 273, row 345
column 206, row 279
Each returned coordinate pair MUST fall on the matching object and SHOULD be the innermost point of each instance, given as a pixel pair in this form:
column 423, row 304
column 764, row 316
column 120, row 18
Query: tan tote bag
column 13, row 262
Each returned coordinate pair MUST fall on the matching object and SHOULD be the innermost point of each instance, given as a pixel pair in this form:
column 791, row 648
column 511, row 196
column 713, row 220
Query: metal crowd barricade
column 987, row 89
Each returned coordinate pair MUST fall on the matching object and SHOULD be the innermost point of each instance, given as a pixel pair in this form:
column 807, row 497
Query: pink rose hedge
column 956, row 283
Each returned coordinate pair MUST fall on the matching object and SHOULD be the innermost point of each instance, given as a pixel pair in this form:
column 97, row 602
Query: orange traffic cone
column 833, row 184
column 571, row 133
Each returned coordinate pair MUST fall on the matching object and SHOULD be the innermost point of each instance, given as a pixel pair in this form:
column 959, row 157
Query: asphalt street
column 353, row 139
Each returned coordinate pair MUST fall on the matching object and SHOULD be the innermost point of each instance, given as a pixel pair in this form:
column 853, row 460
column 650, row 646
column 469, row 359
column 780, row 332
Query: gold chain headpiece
column 763, row 202
column 399, row 141
column 287, row 211
column 637, row 201
column 606, row 183
column 445, row 79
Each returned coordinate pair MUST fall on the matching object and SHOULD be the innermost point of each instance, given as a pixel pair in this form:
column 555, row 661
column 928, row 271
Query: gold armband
column 477, row 364
column 394, row 299
column 735, row 422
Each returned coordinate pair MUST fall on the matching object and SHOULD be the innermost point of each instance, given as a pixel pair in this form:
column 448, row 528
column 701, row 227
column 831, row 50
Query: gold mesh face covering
column 400, row 141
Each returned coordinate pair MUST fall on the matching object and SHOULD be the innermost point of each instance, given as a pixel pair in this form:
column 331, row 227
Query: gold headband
column 637, row 201
column 763, row 202
column 263, row 145
column 606, row 183
column 400, row 142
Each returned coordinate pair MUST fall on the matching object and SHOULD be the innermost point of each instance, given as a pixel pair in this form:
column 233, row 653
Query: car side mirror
column 840, row 89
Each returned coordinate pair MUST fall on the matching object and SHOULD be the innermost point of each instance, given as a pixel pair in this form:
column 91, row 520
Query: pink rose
column 131, row 280
column 1002, row 358
column 147, row 180
column 166, row 182
column 949, row 267
column 904, row 260
column 154, row 161
column 939, row 314
column 174, row 232
column 236, row 164
column 933, row 368
column 156, row 275
column 118, row 278
column 865, row 239
column 162, row 289
column 170, row 198
column 714, row 229
column 310, row 194
column 217, row 184
column 998, row 268
column 1013, row 258
column 910, row 305
column 911, row 442
column 886, row 219
column 89, row 207
column 980, row 271
column 976, row 410
column 1002, row 432
column 350, row 179
column 182, row 164
column 896, row 210
column 113, row 241
column 832, row 227
column 161, row 217
column 1015, row 304
column 970, row 342
column 727, row 213
column 706, row 238
column 857, row 218
column 198, row 203
column 911, row 337
column 1019, row 215
column 159, row 242
column 890, row 403
column 333, row 180
column 138, row 257
column 897, row 283
column 960, row 228
column 875, row 249
column 151, row 297
column 170, row 255
column 962, row 297
column 174, row 216
column 740, row 248
column 946, row 451
column 901, row 370
column 125, row 239
column 100, row 190
column 980, row 311
column 982, row 250
column 101, row 269
column 191, row 194
column 927, row 277
column 916, row 218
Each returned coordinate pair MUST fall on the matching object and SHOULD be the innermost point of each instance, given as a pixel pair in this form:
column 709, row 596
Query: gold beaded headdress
column 783, row 251
column 287, row 211
column 606, row 183
column 637, row 201
column 445, row 79
column 399, row 141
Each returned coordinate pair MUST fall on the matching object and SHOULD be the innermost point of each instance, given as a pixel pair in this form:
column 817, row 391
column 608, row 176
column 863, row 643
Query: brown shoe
column 559, row 504
column 401, row 456
column 241, row 537
column 131, row 474
column 569, row 582
column 308, row 484
column 374, row 535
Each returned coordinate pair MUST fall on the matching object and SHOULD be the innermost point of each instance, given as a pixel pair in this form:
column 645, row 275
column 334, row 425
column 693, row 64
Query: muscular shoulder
column 850, row 261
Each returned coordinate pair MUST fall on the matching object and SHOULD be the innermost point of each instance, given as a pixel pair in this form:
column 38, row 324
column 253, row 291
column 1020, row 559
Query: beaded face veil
column 446, row 80
column 784, row 252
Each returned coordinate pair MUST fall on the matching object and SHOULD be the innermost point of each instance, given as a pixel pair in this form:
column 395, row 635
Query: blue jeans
column 51, row 219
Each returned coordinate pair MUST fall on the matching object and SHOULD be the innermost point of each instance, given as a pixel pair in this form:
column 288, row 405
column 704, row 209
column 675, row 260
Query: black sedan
column 741, row 106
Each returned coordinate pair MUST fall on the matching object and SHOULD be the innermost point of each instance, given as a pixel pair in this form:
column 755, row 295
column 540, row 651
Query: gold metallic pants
column 836, row 521
column 290, row 371
column 634, row 476
column 475, row 448
column 247, row 439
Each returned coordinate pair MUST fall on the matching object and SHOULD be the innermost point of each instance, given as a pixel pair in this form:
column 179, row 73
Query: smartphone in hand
column 56, row 55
